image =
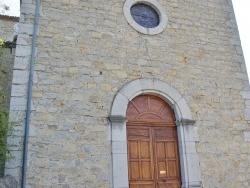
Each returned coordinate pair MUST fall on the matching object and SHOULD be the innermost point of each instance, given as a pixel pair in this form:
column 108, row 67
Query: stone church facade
column 84, row 63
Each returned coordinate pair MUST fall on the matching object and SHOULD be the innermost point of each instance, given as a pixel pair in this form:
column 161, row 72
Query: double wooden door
column 153, row 158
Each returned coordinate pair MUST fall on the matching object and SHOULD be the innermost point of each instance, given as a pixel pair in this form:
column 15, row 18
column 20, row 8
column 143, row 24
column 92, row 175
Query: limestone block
column 245, row 94
column 106, row 87
column 187, row 147
column 247, row 114
column 186, row 114
column 119, row 133
column 119, row 147
column 131, row 91
column 121, row 175
column 73, row 70
column 20, row 77
column 24, row 51
column 21, row 63
column 69, row 148
column 19, row 90
column 247, row 136
column 8, row 182
column 241, row 127
column 242, row 76
column 117, row 108
column 194, row 169
column 28, row 8
column 18, row 102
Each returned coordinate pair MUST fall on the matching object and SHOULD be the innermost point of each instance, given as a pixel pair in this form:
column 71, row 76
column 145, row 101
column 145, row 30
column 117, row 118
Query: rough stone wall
column 86, row 51
column 18, row 101
column 6, row 27
column 6, row 65
column 8, row 182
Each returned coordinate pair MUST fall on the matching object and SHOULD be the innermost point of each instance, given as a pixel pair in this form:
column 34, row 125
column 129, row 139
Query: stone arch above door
column 190, row 169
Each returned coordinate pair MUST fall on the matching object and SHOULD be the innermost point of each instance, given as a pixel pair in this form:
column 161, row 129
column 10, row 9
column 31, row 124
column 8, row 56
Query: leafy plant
column 1, row 44
column 5, row 127
column 4, row 130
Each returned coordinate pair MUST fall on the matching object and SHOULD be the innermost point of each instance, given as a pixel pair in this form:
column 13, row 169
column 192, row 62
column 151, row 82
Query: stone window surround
column 156, row 6
column 189, row 160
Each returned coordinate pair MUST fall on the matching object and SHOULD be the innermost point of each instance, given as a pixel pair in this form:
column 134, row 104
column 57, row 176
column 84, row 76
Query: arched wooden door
column 153, row 158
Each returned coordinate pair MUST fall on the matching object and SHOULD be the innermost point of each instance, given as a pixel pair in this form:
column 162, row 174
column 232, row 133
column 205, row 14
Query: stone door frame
column 189, row 160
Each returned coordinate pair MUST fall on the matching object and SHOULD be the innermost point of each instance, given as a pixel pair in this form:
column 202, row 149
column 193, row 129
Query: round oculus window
column 145, row 15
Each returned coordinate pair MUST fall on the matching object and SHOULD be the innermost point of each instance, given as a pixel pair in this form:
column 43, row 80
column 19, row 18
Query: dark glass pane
column 145, row 15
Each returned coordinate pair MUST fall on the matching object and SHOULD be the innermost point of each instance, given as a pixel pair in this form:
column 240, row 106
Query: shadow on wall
column 7, row 54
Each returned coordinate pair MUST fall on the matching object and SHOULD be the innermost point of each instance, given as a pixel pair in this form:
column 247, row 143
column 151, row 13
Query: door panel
column 172, row 169
column 134, row 170
column 145, row 184
column 134, row 151
column 134, row 133
column 140, row 156
column 152, row 156
column 146, row 170
column 166, row 152
column 160, row 150
column 168, row 185
column 161, row 169
column 171, row 145
column 145, row 150
column 153, row 159
column 164, row 133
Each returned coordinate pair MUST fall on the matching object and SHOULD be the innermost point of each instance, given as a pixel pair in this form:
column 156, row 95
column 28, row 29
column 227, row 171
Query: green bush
column 5, row 127
column 4, row 130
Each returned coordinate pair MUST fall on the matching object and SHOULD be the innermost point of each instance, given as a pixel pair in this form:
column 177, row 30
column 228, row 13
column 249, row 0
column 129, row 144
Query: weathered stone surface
column 8, row 182
column 86, row 52
column 247, row 136
column 7, row 23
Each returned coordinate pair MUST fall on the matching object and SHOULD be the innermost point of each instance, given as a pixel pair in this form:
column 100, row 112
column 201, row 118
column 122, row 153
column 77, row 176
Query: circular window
column 145, row 16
